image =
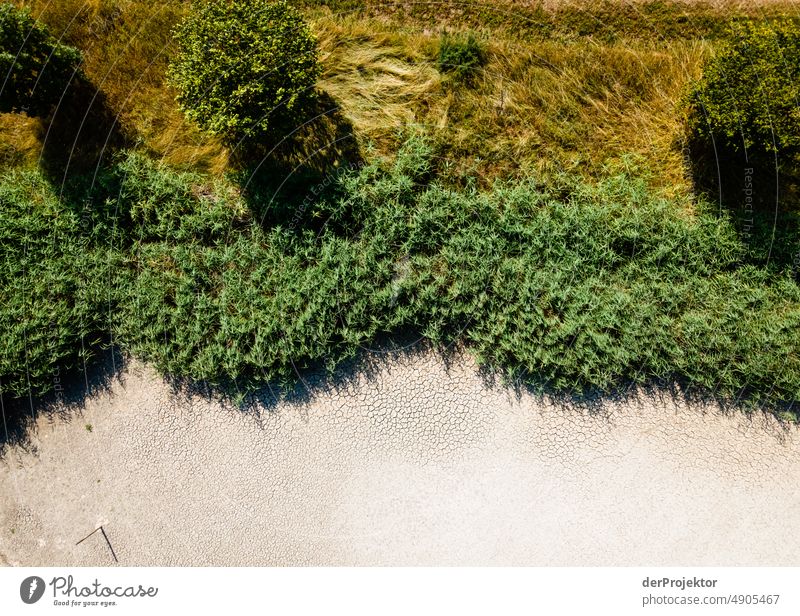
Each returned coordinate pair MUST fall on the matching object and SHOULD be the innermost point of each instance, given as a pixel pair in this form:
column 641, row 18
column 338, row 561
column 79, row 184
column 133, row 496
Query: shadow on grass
column 284, row 182
column 761, row 194
column 80, row 136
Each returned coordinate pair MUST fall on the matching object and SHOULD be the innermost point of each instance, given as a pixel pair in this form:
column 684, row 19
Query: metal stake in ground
column 108, row 543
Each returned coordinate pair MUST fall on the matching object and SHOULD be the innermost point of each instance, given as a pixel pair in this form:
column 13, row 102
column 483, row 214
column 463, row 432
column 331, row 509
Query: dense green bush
column 244, row 68
column 749, row 96
column 55, row 279
column 461, row 56
column 220, row 298
column 565, row 283
column 178, row 207
column 35, row 68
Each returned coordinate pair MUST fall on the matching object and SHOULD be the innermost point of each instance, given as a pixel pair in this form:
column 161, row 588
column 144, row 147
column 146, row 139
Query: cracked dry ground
column 412, row 461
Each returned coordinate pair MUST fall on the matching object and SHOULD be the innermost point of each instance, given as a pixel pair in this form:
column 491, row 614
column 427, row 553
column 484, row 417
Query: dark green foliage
column 245, row 68
column 744, row 136
column 744, row 125
column 461, row 56
column 35, row 69
column 749, row 96
column 54, row 284
column 568, row 284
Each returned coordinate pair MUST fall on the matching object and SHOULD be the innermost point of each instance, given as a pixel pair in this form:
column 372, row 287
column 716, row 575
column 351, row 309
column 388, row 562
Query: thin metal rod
column 89, row 535
column 108, row 543
column 103, row 530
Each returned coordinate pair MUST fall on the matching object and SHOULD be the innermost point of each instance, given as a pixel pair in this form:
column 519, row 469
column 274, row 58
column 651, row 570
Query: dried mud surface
column 411, row 461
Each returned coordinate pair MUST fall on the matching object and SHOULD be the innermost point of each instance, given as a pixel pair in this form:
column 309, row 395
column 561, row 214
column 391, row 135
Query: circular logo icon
column 31, row 589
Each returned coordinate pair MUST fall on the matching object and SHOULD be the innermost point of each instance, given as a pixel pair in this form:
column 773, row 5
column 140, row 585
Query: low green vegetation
column 567, row 284
column 54, row 282
column 461, row 56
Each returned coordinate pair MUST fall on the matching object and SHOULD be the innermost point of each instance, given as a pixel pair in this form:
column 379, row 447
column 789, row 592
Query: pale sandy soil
column 413, row 463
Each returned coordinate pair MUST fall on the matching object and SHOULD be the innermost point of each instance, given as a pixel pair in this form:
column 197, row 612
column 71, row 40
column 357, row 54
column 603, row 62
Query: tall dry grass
column 127, row 45
column 546, row 106
column 543, row 102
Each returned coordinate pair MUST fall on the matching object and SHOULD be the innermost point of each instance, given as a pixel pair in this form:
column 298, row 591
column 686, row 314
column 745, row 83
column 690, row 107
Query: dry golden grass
column 20, row 144
column 381, row 79
column 738, row 5
column 541, row 107
column 127, row 45
column 541, row 104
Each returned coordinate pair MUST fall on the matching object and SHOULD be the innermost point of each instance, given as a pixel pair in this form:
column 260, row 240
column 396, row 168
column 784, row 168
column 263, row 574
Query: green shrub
column 244, row 68
column 181, row 207
column 54, row 283
column 749, row 95
column 461, row 56
column 35, row 68
column 567, row 284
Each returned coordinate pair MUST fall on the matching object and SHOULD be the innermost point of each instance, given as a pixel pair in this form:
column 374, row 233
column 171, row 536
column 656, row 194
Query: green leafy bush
column 55, row 281
column 749, row 95
column 461, row 56
column 35, row 68
column 564, row 283
column 177, row 207
column 244, row 68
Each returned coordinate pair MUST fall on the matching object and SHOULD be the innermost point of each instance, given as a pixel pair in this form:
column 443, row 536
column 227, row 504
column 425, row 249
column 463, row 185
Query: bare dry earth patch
column 415, row 461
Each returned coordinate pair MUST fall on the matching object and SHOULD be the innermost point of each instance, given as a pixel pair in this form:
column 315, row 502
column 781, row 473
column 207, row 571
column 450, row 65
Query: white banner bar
column 411, row 591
